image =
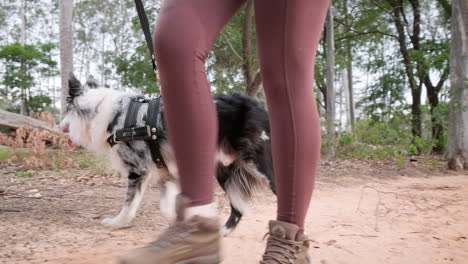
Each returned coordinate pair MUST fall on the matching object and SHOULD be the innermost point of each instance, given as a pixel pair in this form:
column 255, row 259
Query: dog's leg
column 169, row 191
column 225, row 175
column 136, row 187
column 231, row 223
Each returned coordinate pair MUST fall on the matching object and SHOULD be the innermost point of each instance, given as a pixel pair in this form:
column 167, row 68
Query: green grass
column 4, row 154
column 400, row 161
column 433, row 164
column 24, row 174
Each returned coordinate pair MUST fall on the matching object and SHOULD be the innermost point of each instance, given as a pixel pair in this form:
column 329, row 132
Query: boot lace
column 281, row 251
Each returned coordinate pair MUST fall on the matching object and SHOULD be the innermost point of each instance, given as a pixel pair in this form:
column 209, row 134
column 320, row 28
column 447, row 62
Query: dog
column 243, row 158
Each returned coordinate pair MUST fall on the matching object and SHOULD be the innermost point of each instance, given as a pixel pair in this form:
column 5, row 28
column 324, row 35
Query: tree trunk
column 350, row 85
column 416, row 126
column 397, row 13
column 330, row 86
column 247, row 42
column 66, row 47
column 349, row 67
column 348, row 101
column 253, row 83
column 24, row 105
column 458, row 123
column 320, row 81
column 437, row 129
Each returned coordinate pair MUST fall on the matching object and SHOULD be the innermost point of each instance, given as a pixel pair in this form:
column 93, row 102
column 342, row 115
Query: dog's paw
column 115, row 223
column 224, row 231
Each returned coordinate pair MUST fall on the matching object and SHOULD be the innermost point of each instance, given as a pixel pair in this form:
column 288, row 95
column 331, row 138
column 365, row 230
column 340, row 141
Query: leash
column 149, row 132
column 146, row 30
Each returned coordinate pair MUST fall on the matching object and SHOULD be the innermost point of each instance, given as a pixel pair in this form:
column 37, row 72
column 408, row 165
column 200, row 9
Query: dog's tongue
column 70, row 144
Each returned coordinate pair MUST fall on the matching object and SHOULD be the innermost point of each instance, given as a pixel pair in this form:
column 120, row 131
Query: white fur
column 224, row 158
column 91, row 134
column 167, row 203
column 264, row 136
column 128, row 211
column 236, row 199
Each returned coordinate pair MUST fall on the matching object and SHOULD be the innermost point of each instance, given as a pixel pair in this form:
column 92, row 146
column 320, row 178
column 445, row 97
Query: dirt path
column 370, row 216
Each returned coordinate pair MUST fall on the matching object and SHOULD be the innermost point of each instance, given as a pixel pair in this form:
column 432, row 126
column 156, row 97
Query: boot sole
column 211, row 259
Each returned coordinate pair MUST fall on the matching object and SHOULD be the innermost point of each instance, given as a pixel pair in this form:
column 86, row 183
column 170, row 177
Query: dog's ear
column 74, row 87
column 91, row 82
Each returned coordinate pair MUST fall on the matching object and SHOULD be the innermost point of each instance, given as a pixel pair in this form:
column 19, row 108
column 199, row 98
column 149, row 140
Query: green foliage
column 440, row 118
column 137, row 71
column 23, row 63
column 394, row 132
column 346, row 139
column 446, row 7
column 419, row 145
column 24, row 174
column 4, row 154
column 19, row 59
column 375, row 139
column 40, row 103
column 384, row 140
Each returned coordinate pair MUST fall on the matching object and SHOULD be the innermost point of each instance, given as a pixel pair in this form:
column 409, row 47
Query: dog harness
column 148, row 133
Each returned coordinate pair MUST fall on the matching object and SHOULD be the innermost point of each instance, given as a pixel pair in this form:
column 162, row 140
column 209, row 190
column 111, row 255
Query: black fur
column 74, row 88
column 242, row 121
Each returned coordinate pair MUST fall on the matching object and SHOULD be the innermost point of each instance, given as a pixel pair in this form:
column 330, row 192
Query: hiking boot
column 187, row 241
column 285, row 245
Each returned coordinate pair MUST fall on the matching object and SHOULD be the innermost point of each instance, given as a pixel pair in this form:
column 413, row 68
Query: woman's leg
column 288, row 32
column 184, row 36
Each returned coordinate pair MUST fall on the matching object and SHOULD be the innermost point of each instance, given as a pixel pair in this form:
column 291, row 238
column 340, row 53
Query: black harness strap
column 148, row 133
column 132, row 114
column 152, row 123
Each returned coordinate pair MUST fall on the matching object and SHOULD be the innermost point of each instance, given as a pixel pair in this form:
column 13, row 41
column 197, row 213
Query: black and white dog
column 243, row 160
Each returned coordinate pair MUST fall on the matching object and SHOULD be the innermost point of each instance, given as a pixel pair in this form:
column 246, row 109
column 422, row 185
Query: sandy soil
column 362, row 212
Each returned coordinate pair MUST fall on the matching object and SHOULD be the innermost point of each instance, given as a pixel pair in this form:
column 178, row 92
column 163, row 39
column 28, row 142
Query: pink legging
column 288, row 32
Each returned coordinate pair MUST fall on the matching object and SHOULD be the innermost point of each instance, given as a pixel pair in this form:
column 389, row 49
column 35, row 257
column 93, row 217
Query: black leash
column 146, row 30
column 150, row 132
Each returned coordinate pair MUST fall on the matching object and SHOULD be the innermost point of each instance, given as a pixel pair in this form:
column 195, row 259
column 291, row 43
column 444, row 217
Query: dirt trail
column 369, row 216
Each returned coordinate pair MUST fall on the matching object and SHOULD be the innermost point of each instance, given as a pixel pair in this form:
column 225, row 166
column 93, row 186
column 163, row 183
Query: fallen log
column 14, row 121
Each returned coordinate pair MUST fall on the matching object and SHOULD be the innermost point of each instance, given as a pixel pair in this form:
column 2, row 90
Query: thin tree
column 458, row 121
column 24, row 102
column 252, row 82
column 330, row 78
column 349, row 66
column 66, row 47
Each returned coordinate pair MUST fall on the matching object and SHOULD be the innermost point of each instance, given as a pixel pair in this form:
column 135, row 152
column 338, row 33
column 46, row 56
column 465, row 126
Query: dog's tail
column 240, row 180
